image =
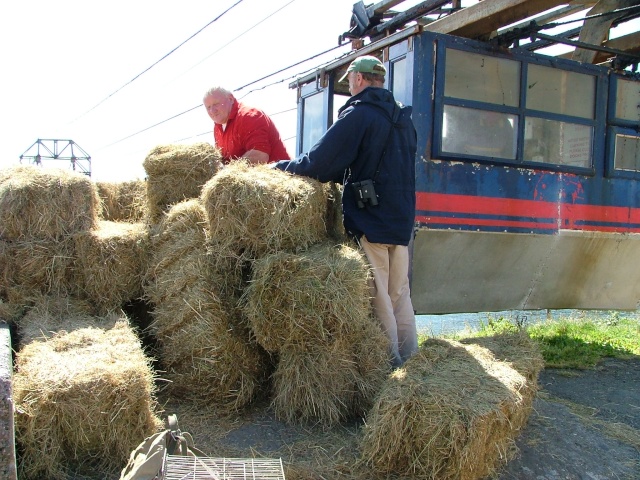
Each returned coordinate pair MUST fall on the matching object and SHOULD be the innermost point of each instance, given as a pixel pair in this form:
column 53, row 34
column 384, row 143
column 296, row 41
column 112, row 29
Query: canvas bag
column 147, row 460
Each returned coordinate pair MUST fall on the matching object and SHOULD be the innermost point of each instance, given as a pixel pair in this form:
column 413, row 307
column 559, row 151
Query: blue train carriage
column 527, row 172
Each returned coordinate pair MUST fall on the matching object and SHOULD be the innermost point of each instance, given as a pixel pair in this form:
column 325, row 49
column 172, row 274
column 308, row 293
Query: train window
column 623, row 134
column 560, row 91
column 517, row 110
column 399, row 81
column 472, row 76
column 312, row 120
column 627, row 153
column 627, row 104
column 561, row 143
column 471, row 131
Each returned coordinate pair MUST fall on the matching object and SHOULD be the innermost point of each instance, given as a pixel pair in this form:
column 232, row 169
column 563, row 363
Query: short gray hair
column 221, row 90
column 373, row 78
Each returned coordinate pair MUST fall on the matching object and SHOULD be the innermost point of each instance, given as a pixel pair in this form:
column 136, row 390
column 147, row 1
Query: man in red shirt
column 241, row 131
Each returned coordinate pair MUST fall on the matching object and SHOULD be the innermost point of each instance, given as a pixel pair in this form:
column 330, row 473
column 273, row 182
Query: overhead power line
column 237, row 37
column 285, row 68
column 152, row 126
column 235, row 90
column 158, row 61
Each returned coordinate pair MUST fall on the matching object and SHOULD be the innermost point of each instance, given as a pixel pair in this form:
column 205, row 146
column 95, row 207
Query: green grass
column 575, row 343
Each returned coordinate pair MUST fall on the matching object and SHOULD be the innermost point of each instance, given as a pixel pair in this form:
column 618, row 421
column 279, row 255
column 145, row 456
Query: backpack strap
column 393, row 120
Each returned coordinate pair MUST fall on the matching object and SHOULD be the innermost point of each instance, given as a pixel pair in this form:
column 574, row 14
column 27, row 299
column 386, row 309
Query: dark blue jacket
column 350, row 150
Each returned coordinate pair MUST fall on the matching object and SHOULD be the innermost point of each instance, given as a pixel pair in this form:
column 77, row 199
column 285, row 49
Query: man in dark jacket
column 357, row 150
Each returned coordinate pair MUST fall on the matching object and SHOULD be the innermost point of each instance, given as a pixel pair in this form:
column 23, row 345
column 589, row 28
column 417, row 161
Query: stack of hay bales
column 454, row 410
column 205, row 357
column 123, row 201
column 40, row 211
column 83, row 386
column 83, row 391
column 312, row 309
column 176, row 173
column 306, row 300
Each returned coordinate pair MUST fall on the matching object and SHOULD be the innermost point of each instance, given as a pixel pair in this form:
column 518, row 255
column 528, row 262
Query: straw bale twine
column 41, row 266
column 84, row 400
column 123, row 201
column 47, row 315
column 46, row 204
column 307, row 298
column 451, row 412
column 112, row 262
column 256, row 210
column 176, row 173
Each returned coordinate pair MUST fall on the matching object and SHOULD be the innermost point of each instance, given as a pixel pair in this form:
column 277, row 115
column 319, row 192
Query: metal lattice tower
column 56, row 149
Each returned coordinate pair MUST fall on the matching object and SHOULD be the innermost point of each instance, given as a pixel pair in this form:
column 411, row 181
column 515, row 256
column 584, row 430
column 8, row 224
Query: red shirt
column 248, row 129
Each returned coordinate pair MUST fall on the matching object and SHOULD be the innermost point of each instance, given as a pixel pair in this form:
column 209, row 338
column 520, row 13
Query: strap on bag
column 147, row 460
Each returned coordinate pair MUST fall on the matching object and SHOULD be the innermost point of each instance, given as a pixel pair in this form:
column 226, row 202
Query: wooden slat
column 556, row 15
column 478, row 21
column 596, row 30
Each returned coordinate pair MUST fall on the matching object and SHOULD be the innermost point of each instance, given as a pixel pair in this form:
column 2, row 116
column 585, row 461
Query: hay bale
column 179, row 255
column 207, row 360
column 48, row 315
column 330, row 384
column 182, row 255
column 176, row 173
column 84, row 400
column 316, row 385
column 208, row 356
column 517, row 350
column 307, row 298
column 257, row 210
column 313, row 309
column 123, row 201
column 452, row 412
column 45, row 204
column 182, row 229
column 112, row 262
column 41, row 266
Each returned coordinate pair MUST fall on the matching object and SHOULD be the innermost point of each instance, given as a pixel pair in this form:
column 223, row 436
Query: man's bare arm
column 256, row 156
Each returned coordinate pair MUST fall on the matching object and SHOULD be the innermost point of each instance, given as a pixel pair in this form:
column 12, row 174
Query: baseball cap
column 365, row 64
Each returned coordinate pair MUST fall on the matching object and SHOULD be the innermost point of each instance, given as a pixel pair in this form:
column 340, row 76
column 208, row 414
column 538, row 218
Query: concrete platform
column 7, row 433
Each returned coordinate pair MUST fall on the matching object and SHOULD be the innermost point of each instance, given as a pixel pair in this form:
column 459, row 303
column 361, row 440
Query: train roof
column 510, row 24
